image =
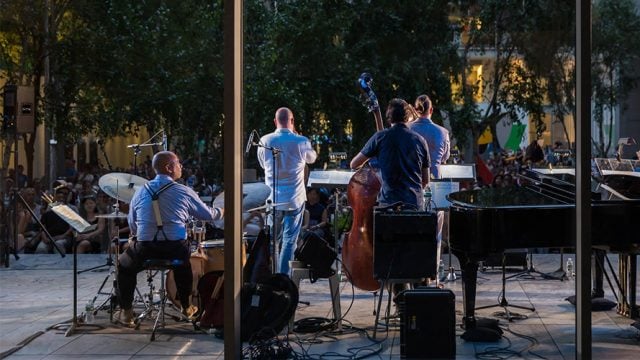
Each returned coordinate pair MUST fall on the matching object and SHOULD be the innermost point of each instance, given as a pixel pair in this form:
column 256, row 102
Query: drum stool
column 161, row 265
column 300, row 271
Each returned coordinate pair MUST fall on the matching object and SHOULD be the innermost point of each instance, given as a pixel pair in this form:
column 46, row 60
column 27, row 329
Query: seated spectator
column 103, row 203
column 21, row 220
column 31, row 229
column 23, row 180
column 508, row 180
column 318, row 218
column 534, row 153
column 60, row 231
column 497, row 181
column 91, row 242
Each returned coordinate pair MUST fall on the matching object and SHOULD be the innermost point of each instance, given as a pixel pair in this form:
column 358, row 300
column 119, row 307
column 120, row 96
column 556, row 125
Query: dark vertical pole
column 233, row 166
column 583, row 179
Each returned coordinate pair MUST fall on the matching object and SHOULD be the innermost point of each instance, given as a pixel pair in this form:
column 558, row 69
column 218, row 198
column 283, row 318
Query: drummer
column 174, row 207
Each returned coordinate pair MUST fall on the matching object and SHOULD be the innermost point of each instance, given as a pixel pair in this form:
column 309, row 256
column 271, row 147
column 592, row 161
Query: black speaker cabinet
column 25, row 111
column 404, row 244
column 427, row 324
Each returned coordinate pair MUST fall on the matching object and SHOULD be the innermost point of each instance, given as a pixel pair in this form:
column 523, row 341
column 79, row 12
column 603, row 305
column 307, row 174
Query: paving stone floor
column 36, row 308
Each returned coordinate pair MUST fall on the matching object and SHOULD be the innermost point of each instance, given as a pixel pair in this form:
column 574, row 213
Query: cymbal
column 121, row 186
column 254, row 194
column 264, row 207
column 113, row 215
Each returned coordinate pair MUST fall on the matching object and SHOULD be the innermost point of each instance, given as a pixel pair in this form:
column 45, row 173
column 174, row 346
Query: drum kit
column 207, row 254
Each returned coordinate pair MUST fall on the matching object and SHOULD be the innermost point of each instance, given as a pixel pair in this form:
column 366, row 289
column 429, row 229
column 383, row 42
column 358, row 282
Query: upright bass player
column 403, row 159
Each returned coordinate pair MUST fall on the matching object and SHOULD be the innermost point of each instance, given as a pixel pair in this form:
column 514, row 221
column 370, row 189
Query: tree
column 158, row 65
column 22, row 54
column 548, row 49
column 615, row 55
column 297, row 58
column 509, row 91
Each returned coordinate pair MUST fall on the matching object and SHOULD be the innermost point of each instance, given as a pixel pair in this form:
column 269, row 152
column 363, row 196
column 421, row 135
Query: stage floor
column 36, row 295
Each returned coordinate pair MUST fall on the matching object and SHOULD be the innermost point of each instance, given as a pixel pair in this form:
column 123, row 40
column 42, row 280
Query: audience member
column 318, row 218
column 93, row 241
column 60, row 231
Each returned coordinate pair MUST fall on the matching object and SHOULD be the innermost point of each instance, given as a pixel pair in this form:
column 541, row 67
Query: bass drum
column 198, row 262
column 214, row 249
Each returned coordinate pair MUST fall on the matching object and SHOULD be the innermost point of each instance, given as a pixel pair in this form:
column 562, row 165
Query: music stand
column 80, row 225
column 329, row 179
column 449, row 178
column 334, row 180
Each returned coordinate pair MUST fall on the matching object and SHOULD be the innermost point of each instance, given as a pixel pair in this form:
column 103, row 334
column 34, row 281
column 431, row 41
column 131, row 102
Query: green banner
column 515, row 137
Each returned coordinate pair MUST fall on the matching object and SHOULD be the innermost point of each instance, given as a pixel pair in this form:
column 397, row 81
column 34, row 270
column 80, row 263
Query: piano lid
column 623, row 184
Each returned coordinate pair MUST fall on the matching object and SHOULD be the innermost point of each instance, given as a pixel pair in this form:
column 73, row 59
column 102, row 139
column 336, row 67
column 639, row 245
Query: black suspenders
column 156, row 207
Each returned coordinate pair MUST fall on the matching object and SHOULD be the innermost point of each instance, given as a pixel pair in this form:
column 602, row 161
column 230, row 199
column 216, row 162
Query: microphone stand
column 104, row 153
column 273, row 230
column 137, row 150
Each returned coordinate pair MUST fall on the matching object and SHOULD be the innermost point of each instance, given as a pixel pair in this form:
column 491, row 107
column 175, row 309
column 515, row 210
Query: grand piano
column 541, row 214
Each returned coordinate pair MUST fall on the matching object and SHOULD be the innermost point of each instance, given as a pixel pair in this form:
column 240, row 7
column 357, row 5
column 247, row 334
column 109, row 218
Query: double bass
column 362, row 193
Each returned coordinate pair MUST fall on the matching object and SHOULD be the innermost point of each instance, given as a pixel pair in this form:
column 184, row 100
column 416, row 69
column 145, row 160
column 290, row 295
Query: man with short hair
column 437, row 138
column 158, row 217
column 403, row 157
column 291, row 153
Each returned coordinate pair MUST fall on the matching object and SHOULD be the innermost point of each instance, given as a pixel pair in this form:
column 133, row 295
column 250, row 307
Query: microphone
column 133, row 145
column 249, row 142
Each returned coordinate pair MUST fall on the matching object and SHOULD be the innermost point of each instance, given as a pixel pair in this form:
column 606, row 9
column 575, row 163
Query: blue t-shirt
column 401, row 155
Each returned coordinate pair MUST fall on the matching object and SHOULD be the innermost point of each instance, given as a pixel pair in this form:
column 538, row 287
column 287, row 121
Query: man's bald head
column 167, row 163
column 284, row 118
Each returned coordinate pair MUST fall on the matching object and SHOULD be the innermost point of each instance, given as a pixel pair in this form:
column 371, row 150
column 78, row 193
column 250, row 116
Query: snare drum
column 215, row 252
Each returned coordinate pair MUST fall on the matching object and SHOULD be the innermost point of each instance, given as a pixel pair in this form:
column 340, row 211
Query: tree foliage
column 615, row 55
column 304, row 61
column 118, row 65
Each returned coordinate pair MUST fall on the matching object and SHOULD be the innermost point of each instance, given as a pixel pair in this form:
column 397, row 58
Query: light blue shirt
column 437, row 140
column 295, row 152
column 177, row 204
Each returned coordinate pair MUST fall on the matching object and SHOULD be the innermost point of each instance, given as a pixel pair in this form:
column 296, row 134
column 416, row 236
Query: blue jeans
column 289, row 224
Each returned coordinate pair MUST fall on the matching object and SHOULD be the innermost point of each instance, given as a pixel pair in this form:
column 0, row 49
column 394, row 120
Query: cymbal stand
column 113, row 294
column 112, row 298
column 109, row 262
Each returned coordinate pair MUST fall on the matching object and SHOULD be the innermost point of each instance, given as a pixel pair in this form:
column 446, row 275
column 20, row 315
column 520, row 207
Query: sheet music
column 329, row 177
column 460, row 172
column 73, row 218
column 440, row 190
